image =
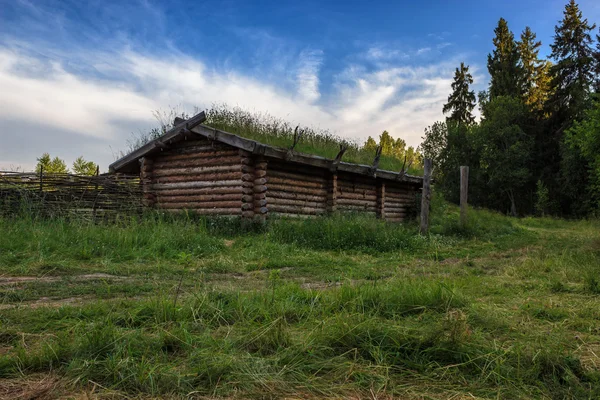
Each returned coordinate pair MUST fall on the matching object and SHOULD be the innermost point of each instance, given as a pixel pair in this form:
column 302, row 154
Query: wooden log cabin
column 198, row 168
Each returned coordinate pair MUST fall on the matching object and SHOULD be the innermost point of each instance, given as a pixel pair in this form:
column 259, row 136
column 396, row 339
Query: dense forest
column 536, row 148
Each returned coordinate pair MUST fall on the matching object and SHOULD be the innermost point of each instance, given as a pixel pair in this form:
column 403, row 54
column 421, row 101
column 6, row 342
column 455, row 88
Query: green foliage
column 505, row 149
column 83, row 167
column 581, row 156
column 503, row 64
column 345, row 232
column 51, row 165
column 536, row 72
column 461, row 101
column 574, row 64
column 435, row 142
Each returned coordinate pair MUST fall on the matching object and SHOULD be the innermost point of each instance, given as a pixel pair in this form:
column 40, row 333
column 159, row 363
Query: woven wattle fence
column 67, row 195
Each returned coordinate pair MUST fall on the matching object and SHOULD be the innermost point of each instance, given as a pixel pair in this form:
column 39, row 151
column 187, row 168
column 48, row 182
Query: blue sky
column 78, row 77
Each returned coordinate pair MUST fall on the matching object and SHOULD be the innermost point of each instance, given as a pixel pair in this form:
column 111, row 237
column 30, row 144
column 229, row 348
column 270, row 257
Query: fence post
column 426, row 196
column 41, row 179
column 464, row 191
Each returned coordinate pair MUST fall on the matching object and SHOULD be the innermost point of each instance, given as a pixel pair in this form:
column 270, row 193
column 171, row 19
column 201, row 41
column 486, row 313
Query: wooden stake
column 426, row 197
column 381, row 200
column 464, row 191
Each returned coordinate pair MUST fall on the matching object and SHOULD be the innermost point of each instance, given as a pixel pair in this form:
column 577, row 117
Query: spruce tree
column 503, row 64
column 573, row 72
column 535, row 71
column 462, row 100
column 597, row 57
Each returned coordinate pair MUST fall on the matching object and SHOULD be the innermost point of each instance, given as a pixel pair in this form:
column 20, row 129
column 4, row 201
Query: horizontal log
column 205, row 205
column 300, row 203
column 261, row 210
column 161, row 158
column 200, row 191
column 296, row 177
column 247, row 206
column 260, row 196
column 356, row 188
column 248, row 214
column 295, row 210
column 348, row 207
column 194, row 185
column 260, row 203
column 201, row 177
column 356, row 196
column 294, row 196
column 389, row 204
column 354, row 202
column 198, row 199
column 285, row 181
column 297, row 189
column 197, row 162
column 196, row 170
column 398, row 197
column 248, row 198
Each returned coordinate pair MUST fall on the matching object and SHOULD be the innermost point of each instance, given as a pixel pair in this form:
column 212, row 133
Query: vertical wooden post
column 426, row 197
column 381, row 200
column 464, row 191
column 332, row 193
column 41, row 179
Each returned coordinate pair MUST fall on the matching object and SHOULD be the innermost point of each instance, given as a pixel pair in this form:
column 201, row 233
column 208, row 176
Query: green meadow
column 337, row 307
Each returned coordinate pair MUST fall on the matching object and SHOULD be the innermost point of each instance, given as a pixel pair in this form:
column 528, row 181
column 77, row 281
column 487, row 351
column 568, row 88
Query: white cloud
column 308, row 75
column 423, row 50
column 402, row 100
column 63, row 100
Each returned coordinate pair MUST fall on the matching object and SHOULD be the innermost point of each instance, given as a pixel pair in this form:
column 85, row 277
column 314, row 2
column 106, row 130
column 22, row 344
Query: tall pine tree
column 536, row 78
column 597, row 57
column 573, row 72
column 462, row 100
column 503, row 64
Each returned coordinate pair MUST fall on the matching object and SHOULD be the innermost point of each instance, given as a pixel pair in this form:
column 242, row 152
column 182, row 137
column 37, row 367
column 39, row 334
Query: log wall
column 356, row 193
column 399, row 198
column 296, row 190
column 197, row 175
column 213, row 178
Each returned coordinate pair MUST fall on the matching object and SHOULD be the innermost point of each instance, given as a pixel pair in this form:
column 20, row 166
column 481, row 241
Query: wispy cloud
column 308, row 75
column 423, row 50
column 361, row 102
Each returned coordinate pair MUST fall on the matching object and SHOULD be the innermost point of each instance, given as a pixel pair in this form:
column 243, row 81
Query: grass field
column 337, row 307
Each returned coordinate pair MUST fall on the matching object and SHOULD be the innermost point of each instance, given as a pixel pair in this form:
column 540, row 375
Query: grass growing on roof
column 274, row 131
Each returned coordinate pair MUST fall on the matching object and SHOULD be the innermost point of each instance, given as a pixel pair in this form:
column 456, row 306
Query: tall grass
column 274, row 131
column 360, row 337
